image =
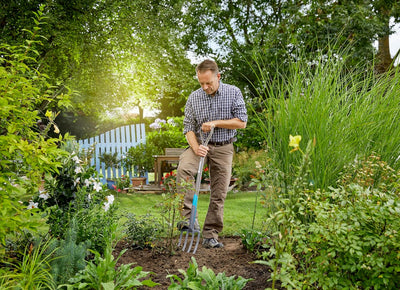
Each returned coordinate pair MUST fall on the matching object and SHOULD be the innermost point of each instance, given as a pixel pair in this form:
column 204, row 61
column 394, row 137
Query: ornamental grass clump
column 350, row 111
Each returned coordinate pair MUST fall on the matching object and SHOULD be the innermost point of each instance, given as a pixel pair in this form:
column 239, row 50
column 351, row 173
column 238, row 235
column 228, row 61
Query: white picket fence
column 117, row 140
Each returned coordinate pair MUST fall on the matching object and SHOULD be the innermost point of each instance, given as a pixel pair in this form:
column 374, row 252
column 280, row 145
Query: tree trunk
column 383, row 58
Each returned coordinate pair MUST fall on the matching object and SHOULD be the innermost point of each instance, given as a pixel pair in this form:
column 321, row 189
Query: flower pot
column 138, row 181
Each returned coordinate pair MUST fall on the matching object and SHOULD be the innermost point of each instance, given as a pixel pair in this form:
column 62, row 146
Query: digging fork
column 191, row 229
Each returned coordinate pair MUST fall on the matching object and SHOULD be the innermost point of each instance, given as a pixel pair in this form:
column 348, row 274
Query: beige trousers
column 219, row 161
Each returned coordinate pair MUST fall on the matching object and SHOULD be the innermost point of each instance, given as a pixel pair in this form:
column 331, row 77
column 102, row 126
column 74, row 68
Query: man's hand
column 202, row 150
column 206, row 127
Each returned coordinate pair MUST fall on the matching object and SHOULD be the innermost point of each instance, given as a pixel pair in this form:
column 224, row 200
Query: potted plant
column 139, row 160
column 121, row 184
column 110, row 160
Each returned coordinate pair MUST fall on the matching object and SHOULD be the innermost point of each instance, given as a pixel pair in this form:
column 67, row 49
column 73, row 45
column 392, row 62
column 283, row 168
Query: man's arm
column 234, row 123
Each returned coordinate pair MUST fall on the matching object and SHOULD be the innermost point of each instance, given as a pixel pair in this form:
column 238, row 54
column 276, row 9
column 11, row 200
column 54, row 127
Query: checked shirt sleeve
column 189, row 123
column 239, row 107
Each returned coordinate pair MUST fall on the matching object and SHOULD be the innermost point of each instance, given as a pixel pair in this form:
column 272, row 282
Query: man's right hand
column 201, row 150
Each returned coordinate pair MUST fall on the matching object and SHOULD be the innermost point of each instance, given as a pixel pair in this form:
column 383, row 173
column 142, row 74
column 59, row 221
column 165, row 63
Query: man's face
column 209, row 81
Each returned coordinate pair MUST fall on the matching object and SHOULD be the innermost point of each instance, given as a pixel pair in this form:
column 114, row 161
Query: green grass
column 238, row 213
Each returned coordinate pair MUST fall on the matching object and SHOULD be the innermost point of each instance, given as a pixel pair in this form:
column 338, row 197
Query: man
column 216, row 105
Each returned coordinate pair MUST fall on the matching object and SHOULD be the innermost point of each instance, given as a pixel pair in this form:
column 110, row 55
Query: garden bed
column 233, row 259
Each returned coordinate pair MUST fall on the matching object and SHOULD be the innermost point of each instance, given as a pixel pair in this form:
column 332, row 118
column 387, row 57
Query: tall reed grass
column 350, row 111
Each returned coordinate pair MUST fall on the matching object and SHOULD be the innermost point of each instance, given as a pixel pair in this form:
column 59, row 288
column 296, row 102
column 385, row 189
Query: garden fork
column 191, row 229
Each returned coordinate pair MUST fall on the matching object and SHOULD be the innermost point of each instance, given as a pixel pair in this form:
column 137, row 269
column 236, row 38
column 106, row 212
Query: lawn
column 238, row 214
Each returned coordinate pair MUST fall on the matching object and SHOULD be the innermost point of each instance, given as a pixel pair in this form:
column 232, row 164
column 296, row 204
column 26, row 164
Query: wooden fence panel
column 117, row 140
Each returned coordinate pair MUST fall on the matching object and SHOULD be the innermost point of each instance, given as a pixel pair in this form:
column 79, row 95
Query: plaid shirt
column 227, row 104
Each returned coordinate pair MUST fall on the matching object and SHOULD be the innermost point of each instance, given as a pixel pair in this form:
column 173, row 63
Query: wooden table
column 159, row 159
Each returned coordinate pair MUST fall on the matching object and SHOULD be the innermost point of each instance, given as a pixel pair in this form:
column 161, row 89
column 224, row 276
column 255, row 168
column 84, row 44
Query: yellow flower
column 294, row 142
column 49, row 115
column 56, row 130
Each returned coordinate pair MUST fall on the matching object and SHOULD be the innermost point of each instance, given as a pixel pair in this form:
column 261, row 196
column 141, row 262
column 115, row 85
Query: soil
column 233, row 259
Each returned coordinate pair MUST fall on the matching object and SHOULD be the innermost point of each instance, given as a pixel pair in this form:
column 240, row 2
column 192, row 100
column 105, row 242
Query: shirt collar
column 218, row 92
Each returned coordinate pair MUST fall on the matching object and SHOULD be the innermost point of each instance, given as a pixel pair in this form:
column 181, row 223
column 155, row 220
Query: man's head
column 208, row 76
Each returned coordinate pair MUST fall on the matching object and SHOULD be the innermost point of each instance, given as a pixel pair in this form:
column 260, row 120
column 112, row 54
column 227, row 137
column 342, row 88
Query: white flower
column 97, row 186
column 110, row 198
column 78, row 170
column 89, row 197
column 78, row 180
column 171, row 122
column 87, row 182
column 76, row 159
column 109, row 202
column 32, row 205
column 258, row 165
column 44, row 195
column 106, row 206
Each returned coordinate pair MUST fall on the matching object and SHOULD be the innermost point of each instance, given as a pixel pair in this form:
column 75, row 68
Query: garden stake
column 193, row 211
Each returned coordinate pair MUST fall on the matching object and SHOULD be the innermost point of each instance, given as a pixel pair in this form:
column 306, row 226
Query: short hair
column 206, row 65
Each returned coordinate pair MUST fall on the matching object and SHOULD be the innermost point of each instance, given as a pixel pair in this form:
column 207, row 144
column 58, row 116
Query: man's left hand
column 206, row 127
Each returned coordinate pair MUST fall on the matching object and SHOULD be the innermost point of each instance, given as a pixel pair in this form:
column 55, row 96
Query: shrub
column 26, row 152
column 143, row 231
column 75, row 192
column 139, row 159
column 246, row 165
column 347, row 237
column 167, row 134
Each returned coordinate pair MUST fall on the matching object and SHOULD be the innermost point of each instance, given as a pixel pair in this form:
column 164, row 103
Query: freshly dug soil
column 233, row 259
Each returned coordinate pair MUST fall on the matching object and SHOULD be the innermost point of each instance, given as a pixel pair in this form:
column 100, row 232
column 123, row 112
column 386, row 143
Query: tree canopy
column 133, row 53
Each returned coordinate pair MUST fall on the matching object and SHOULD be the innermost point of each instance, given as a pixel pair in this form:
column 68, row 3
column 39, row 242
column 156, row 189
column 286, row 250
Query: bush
column 347, row 237
column 139, row 159
column 143, row 231
column 167, row 134
column 247, row 165
column 27, row 152
column 75, row 192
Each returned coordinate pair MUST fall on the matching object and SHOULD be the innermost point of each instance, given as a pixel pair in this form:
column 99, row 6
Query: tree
column 385, row 10
column 111, row 54
column 232, row 30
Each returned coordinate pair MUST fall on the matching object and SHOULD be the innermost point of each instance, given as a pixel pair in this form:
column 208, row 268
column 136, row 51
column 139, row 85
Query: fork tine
column 197, row 244
column 191, row 242
column 186, row 239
